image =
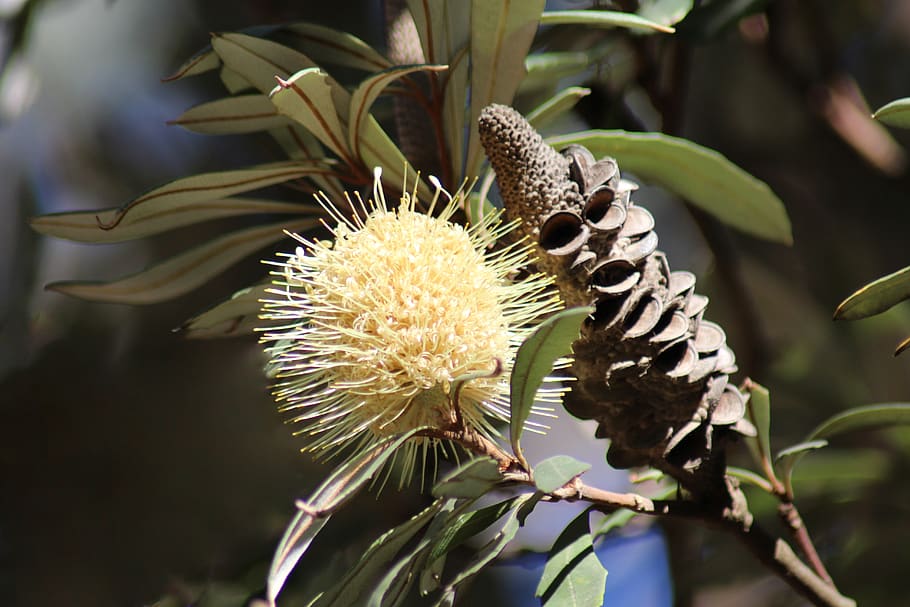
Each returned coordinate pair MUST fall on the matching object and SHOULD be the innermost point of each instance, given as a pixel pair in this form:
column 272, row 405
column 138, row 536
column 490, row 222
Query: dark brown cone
column 650, row 370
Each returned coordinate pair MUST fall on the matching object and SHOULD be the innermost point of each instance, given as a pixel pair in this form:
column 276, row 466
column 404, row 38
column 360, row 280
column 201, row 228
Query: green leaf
column 230, row 318
column 444, row 27
column 204, row 61
column 501, row 35
column 800, row 448
column 749, row 477
column 554, row 472
column 602, row 19
column 454, row 110
column 232, row 115
column 180, row 203
column 759, row 409
column 902, row 347
column 467, row 525
column 534, row 360
column 330, row 46
column 184, row 272
column 701, row 176
column 862, row 418
column 841, row 472
column 486, row 554
column 545, row 69
column 859, row 418
column 664, row 12
column 896, row 113
column 259, row 61
column 876, row 297
column 366, row 93
column 306, row 97
column 376, row 559
column 299, row 144
column 556, row 106
column 470, row 480
column 573, row 575
column 344, row 482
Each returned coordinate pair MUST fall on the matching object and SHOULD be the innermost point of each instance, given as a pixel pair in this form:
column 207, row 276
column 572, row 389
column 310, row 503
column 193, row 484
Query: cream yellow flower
column 378, row 325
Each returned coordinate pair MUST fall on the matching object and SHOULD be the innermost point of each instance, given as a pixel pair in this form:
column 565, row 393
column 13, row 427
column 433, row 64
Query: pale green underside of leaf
column 306, row 97
column 573, row 575
column 876, row 297
column 230, row 318
column 501, row 35
column 749, row 477
column 344, row 482
column 180, row 203
column 603, row 19
column 232, row 116
column 701, row 176
column 184, row 272
column 551, row 340
column 554, row 472
column 896, row 113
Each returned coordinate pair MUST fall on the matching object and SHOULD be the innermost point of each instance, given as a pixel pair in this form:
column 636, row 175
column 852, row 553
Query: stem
column 735, row 519
column 790, row 515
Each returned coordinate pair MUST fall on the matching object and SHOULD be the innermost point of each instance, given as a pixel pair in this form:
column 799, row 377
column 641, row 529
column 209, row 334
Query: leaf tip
column 901, row 347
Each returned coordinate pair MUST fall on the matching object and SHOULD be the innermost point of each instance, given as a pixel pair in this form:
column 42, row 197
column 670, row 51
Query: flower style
column 381, row 325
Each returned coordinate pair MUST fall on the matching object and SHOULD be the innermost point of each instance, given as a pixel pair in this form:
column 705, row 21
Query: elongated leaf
column 393, row 587
column 799, row 448
column 544, row 69
column 573, row 575
column 556, row 106
column 487, row 553
column 896, row 113
column 902, row 347
column 443, row 26
column 468, row 525
column 470, row 480
column 862, row 418
column 233, row 317
column 366, row 93
column 501, row 34
column 749, row 477
column 330, row 46
column 664, row 12
column 700, row 175
column 603, row 19
column 376, row 559
column 534, row 360
column 454, row 110
column 876, row 297
column 205, row 60
column 184, row 272
column 259, row 61
column 232, row 115
column 299, row 144
column 179, row 203
column 759, row 408
column 859, row 418
column 554, row 472
column 306, row 97
column 340, row 486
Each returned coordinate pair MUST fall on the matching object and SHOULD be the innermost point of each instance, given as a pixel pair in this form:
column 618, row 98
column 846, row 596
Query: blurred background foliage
column 136, row 464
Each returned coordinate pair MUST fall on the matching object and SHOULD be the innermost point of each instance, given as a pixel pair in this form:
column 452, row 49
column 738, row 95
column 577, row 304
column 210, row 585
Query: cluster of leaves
column 885, row 292
column 280, row 82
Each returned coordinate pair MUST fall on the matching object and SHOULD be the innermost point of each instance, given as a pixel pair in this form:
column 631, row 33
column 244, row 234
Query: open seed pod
column 649, row 369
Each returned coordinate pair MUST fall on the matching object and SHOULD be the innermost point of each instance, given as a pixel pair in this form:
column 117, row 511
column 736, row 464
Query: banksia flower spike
column 379, row 325
column 650, row 370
